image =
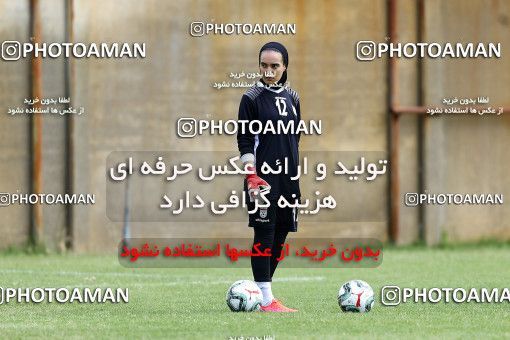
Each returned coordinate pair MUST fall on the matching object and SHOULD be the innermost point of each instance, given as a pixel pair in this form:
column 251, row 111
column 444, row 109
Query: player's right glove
column 255, row 183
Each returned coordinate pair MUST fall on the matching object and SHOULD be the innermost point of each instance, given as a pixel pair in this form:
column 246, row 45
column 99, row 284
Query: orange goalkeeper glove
column 255, row 183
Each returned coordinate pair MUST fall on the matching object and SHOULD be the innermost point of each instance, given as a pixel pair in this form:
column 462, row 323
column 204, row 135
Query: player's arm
column 298, row 111
column 245, row 139
column 246, row 145
column 296, row 107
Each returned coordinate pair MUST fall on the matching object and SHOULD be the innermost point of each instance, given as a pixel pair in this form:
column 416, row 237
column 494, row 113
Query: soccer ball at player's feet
column 356, row 296
column 244, row 296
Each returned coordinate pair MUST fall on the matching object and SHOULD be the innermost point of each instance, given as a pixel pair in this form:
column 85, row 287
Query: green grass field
column 189, row 303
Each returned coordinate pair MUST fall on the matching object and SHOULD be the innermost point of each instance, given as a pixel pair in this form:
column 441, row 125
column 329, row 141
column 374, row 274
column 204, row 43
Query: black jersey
column 273, row 104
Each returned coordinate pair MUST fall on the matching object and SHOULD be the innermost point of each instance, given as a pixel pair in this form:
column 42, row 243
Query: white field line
column 91, row 277
column 186, row 283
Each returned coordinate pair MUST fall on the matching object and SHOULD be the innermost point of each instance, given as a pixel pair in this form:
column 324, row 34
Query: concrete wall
column 141, row 100
column 14, row 130
column 468, row 154
column 407, row 72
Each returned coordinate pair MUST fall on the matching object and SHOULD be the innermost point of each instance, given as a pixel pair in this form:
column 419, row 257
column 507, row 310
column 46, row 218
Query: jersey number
column 281, row 105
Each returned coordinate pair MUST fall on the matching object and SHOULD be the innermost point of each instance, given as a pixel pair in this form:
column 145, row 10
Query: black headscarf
column 276, row 46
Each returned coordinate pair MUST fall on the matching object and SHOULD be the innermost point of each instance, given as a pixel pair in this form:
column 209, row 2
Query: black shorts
column 274, row 217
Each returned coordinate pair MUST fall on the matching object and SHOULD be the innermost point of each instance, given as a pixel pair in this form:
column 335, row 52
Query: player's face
column 271, row 66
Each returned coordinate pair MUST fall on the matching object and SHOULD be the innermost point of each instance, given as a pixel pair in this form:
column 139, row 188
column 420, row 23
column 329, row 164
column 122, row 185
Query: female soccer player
column 270, row 101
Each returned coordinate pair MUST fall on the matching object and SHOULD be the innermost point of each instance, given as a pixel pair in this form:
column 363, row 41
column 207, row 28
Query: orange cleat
column 276, row 306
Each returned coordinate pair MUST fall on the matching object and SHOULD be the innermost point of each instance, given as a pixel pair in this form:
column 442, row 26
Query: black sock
column 279, row 239
column 261, row 265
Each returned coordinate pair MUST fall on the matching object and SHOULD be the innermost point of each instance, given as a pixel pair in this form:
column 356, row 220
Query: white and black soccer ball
column 244, row 296
column 356, row 296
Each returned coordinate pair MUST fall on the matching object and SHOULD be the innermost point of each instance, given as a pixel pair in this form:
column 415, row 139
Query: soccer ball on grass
column 244, row 296
column 356, row 296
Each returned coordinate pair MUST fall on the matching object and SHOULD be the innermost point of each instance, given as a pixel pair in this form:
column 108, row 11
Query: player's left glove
column 255, row 183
